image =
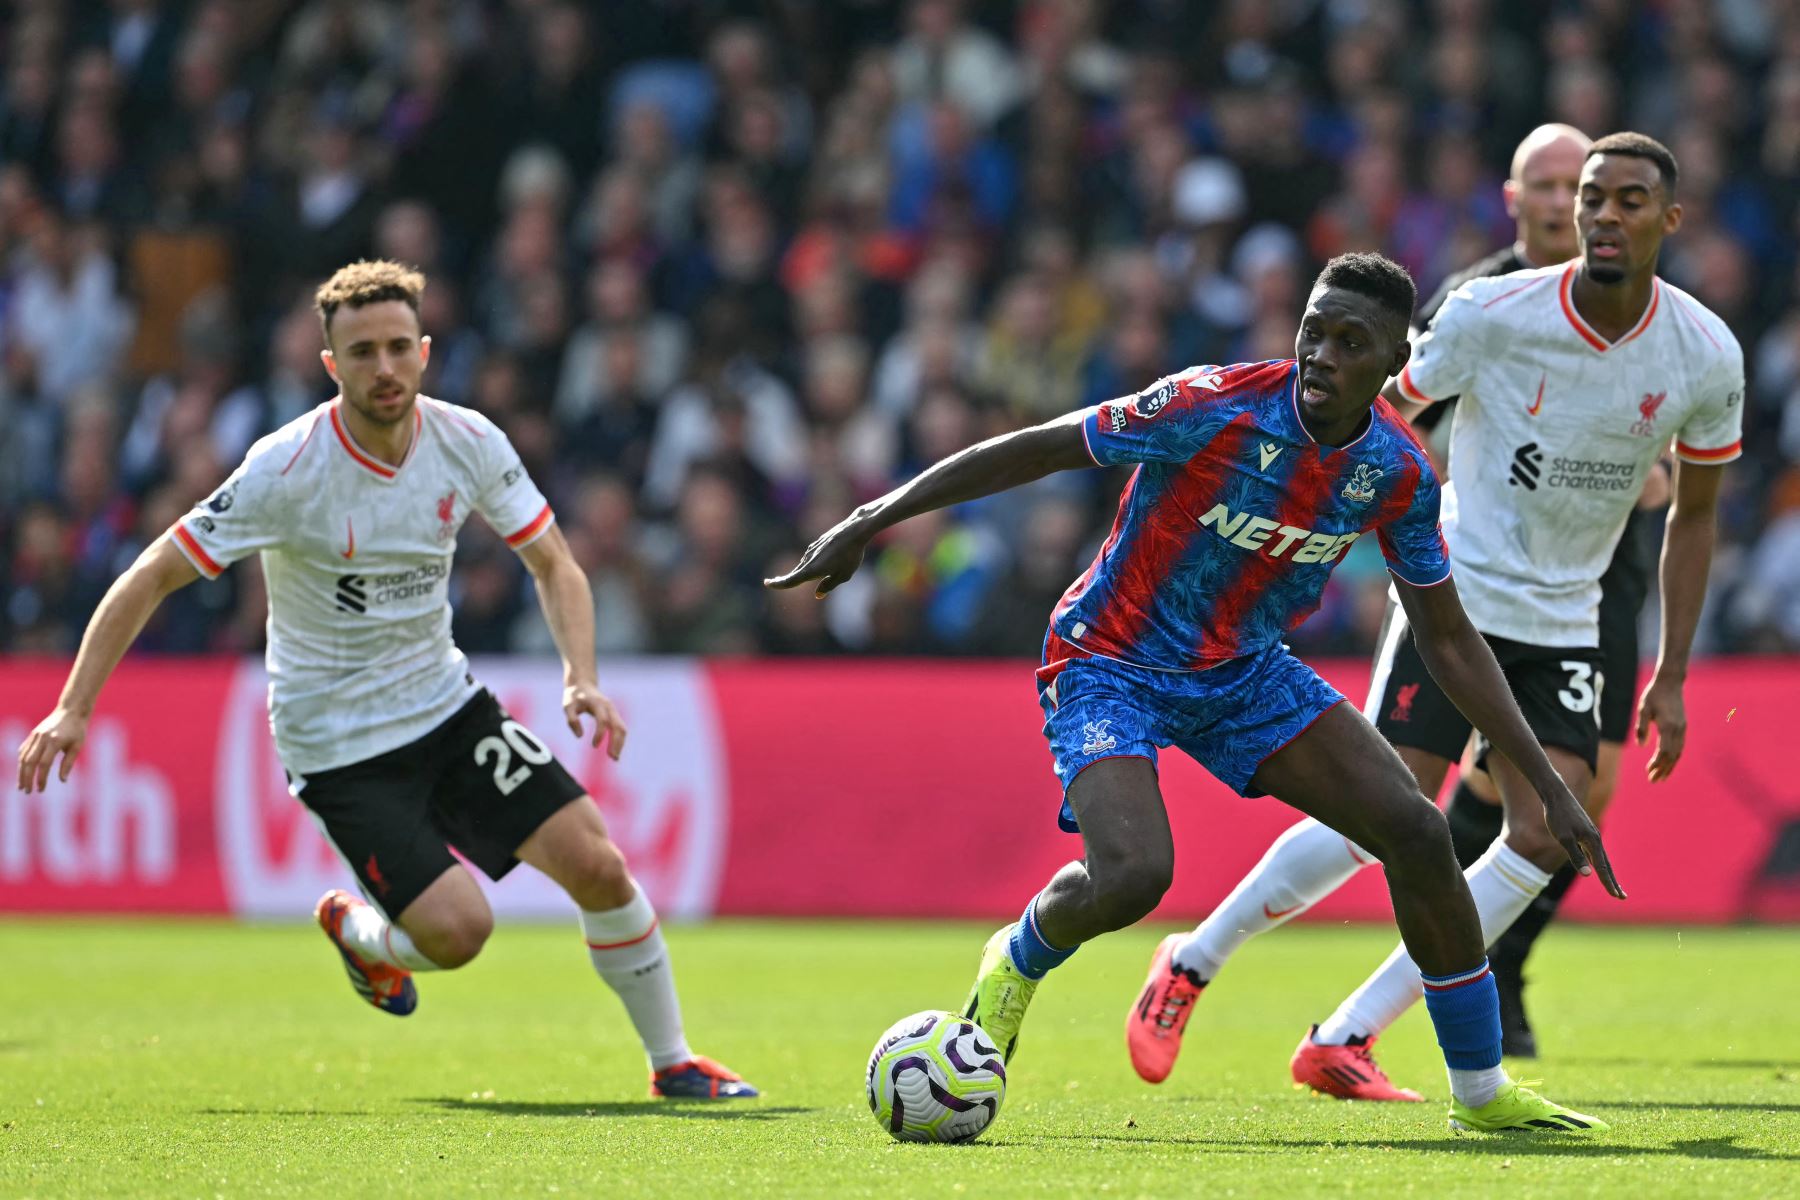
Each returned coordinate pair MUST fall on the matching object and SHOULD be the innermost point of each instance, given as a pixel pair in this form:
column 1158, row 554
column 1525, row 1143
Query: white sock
column 1476, row 1088
column 627, row 948
column 372, row 935
column 1306, row 864
column 1503, row 885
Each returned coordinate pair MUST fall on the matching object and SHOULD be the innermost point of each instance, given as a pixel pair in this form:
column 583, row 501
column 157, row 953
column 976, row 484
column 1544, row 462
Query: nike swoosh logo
column 350, row 531
column 1277, row 915
column 1539, row 402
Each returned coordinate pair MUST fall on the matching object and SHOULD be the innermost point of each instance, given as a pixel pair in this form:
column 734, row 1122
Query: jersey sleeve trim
column 1086, row 441
column 532, row 531
column 1418, row 583
column 1409, row 389
column 195, row 553
column 1723, row 454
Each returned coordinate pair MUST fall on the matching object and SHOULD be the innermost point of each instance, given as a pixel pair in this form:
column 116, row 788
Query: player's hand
column 833, row 557
column 1574, row 831
column 1662, row 705
column 585, row 699
column 60, row 733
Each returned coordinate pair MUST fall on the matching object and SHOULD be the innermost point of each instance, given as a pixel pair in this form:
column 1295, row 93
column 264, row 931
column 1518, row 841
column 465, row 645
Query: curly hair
column 367, row 281
column 1381, row 279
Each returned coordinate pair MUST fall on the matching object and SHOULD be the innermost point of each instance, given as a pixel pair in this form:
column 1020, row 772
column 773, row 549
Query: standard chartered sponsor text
column 404, row 585
column 1593, row 474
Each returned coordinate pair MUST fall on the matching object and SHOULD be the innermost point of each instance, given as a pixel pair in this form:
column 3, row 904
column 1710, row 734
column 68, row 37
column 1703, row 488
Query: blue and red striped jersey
column 1235, row 516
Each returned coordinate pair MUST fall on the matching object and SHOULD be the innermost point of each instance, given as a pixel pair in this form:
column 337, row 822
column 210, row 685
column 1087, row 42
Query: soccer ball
column 935, row 1077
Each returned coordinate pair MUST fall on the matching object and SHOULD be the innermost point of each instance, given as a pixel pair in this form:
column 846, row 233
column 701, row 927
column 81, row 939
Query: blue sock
column 1465, row 1011
column 1034, row 956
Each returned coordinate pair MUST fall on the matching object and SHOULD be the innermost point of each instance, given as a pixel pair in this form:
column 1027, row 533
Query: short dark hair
column 1640, row 145
column 1376, row 276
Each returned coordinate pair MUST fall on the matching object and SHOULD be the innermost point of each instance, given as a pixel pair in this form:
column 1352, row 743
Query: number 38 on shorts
column 1585, row 684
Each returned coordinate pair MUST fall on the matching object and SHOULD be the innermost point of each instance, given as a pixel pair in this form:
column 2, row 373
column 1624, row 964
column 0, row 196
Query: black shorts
column 1622, row 592
column 480, row 782
column 1559, row 690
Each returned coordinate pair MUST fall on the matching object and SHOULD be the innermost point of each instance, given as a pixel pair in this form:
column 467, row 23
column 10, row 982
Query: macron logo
column 1270, row 452
column 1255, row 533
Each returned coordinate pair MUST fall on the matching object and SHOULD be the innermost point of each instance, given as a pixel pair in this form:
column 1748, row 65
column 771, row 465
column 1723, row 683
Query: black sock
column 1512, row 947
column 1474, row 824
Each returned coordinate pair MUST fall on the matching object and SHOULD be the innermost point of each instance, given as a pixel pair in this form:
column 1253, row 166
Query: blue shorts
column 1229, row 719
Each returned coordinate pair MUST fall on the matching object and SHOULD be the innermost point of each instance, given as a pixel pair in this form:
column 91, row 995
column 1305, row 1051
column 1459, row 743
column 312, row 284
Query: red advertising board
column 132, row 829
column 890, row 788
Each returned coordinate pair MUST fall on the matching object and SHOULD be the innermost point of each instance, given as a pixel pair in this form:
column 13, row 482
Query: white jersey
column 1554, row 434
column 357, row 554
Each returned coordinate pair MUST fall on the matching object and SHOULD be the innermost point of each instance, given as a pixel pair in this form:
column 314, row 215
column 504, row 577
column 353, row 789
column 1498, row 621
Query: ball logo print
column 935, row 1077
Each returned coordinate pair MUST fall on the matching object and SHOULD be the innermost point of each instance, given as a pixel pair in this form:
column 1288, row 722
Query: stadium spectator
column 714, row 272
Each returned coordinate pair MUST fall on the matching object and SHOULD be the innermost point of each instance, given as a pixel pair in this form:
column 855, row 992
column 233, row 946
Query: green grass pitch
column 149, row 1059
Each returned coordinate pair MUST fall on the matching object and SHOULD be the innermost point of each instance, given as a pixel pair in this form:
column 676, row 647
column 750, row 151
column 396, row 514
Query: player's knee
column 1530, row 839
column 1129, row 894
column 456, row 942
column 1482, row 784
column 1600, row 796
column 1416, row 835
column 601, row 881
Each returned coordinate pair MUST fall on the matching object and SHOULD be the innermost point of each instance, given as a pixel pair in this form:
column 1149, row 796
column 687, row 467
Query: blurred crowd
column 724, row 270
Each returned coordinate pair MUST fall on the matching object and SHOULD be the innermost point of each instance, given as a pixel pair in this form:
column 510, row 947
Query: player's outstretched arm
column 159, row 570
column 568, row 604
column 993, row 466
column 1463, row 665
column 1686, row 559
